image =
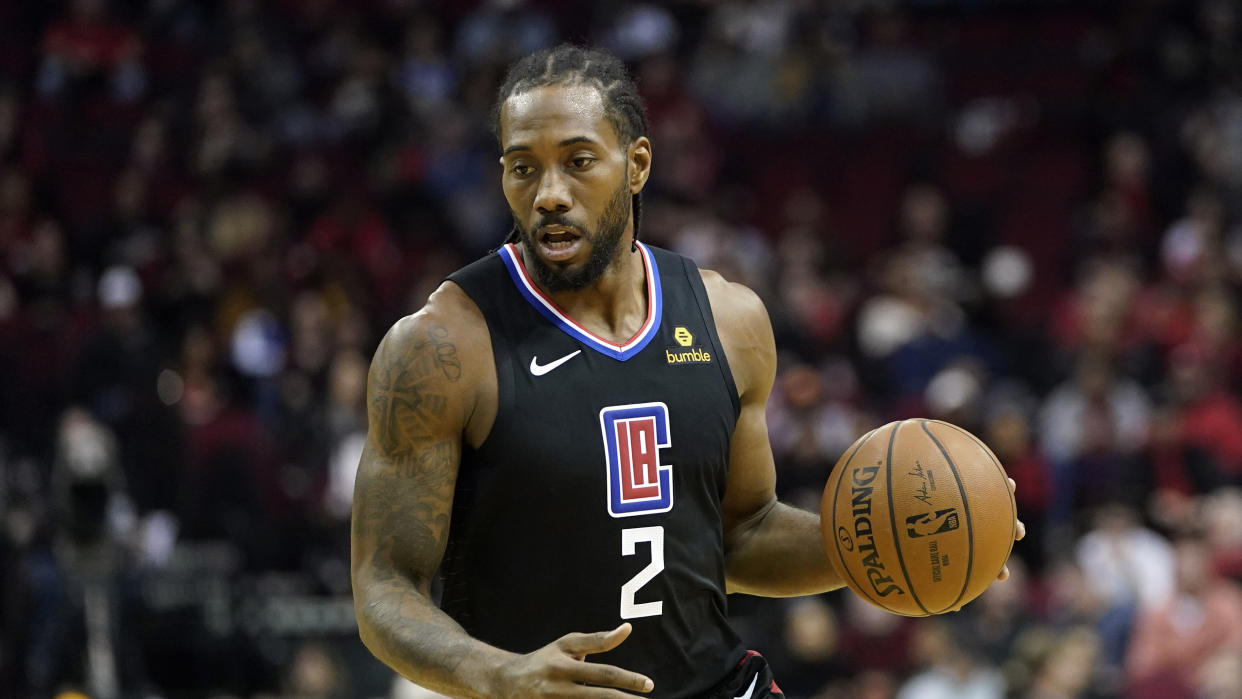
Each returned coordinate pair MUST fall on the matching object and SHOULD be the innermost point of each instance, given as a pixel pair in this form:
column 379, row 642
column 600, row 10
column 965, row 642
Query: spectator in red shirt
column 1198, row 445
column 85, row 43
column 1171, row 642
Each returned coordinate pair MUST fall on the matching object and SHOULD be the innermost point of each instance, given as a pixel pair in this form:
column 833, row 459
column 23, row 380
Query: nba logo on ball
column 638, row 484
column 929, row 524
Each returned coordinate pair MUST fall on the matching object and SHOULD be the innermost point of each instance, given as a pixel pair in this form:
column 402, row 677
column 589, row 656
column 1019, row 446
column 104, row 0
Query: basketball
column 918, row 517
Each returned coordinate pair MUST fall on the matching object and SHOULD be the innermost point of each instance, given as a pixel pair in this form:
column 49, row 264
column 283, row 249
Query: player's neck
column 615, row 306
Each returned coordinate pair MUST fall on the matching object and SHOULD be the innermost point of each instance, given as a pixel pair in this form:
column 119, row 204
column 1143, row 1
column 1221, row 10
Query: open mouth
column 558, row 242
column 557, row 237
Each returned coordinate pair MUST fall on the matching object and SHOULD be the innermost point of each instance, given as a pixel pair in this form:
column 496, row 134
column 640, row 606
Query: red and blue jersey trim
column 561, row 319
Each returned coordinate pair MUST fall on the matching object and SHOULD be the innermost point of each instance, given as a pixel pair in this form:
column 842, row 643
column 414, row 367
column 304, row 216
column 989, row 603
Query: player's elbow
column 367, row 627
column 366, row 633
column 380, row 594
column 369, row 607
column 734, row 586
column 371, row 641
column 741, row 577
column 372, row 630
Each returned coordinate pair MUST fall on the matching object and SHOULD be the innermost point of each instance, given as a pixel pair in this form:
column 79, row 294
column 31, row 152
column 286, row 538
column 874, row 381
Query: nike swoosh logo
column 540, row 369
column 750, row 690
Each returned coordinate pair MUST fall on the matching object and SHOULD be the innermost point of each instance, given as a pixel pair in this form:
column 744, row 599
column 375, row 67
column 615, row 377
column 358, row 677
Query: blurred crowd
column 1021, row 217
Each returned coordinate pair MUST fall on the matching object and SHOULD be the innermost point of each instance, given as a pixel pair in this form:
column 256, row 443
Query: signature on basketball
column 928, row 485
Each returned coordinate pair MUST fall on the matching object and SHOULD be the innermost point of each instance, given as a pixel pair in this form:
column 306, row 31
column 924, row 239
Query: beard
column 605, row 241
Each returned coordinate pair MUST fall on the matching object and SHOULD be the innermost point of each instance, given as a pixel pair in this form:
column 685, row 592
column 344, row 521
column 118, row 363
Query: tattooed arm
column 432, row 385
column 420, row 394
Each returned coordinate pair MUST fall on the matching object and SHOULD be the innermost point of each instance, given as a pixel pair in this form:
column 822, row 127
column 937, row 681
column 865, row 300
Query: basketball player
column 572, row 430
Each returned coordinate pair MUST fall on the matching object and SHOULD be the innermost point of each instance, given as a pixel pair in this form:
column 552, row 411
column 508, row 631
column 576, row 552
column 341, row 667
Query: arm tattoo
column 408, row 394
column 409, row 519
column 446, row 352
column 404, row 497
column 407, row 500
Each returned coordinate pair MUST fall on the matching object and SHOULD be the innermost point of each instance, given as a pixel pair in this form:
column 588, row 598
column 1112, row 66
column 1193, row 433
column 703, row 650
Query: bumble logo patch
column 683, row 336
column 686, row 353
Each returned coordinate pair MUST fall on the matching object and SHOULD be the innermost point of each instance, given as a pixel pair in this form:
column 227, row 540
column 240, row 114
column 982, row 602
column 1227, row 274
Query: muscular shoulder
column 449, row 309
column 746, row 333
column 433, row 364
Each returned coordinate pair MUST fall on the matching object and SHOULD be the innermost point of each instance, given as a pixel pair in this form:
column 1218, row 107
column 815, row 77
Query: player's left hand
column 1019, row 531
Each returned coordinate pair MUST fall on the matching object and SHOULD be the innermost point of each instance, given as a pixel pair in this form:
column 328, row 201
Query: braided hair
column 573, row 65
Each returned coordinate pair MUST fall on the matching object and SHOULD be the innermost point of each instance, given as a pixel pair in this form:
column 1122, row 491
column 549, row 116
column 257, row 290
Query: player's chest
column 636, row 430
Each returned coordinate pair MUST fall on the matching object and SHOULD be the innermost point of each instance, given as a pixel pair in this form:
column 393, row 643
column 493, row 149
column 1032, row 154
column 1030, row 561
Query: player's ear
column 639, row 164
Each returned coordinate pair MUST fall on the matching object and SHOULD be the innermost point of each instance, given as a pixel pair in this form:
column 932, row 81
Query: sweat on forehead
column 557, row 109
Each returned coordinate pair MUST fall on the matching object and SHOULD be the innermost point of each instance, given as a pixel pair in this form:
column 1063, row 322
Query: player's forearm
column 780, row 554
column 406, row 631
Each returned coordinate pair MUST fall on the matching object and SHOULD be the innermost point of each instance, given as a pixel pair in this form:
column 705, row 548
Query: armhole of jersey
column 505, row 390
column 501, row 360
column 705, row 308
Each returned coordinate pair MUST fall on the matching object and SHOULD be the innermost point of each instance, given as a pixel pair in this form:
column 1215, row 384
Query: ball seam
column 1013, row 504
column 970, row 532
column 892, row 516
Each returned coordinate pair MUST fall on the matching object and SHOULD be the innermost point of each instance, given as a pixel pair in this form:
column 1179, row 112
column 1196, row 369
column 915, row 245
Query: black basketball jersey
column 596, row 497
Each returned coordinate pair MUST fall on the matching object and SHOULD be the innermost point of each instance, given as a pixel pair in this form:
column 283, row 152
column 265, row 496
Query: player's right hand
column 559, row 669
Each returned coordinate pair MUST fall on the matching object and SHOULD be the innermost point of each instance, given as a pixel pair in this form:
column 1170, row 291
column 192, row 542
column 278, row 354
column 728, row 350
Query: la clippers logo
column 638, row 484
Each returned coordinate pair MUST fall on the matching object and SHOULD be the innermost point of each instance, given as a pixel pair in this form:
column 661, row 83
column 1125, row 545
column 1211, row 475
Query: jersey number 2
column 629, row 539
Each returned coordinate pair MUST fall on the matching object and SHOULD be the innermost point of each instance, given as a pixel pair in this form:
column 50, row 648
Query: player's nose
column 553, row 193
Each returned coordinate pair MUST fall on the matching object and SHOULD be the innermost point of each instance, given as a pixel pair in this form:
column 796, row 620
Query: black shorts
column 751, row 679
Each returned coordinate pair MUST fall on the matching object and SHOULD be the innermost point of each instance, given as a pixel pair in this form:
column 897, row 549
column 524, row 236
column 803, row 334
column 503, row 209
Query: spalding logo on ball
column 918, row 517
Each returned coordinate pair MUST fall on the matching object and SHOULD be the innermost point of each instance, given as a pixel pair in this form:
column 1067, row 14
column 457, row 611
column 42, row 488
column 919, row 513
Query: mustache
column 556, row 219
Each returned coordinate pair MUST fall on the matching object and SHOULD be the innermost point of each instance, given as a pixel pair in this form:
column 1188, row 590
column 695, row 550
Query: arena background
column 1022, row 217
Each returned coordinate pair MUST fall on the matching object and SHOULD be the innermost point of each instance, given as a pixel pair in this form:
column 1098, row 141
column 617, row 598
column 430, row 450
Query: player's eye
column 581, row 162
column 521, row 170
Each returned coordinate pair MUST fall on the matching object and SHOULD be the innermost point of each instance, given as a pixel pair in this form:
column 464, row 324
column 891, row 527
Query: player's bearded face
column 604, row 242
